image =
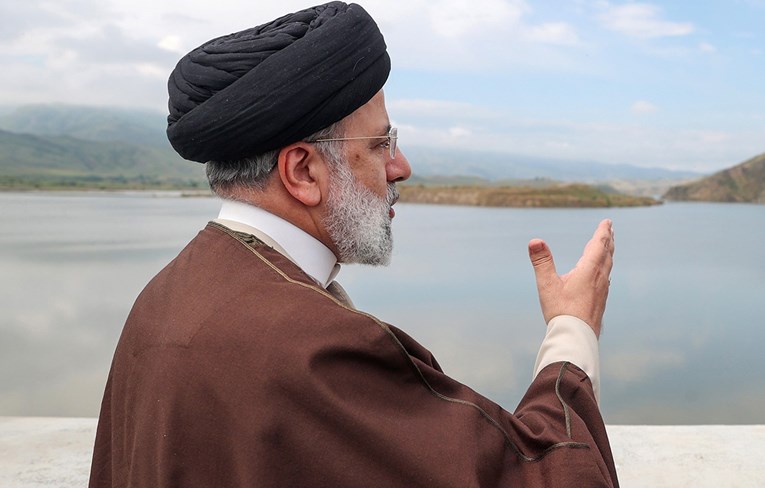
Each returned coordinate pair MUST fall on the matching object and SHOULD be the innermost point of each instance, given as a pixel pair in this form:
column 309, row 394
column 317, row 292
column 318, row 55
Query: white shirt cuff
column 571, row 339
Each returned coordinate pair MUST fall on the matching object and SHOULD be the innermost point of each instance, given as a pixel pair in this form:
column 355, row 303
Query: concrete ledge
column 689, row 455
column 44, row 452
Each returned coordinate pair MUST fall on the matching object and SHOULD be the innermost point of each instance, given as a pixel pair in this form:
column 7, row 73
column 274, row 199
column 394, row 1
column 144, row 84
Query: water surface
column 683, row 328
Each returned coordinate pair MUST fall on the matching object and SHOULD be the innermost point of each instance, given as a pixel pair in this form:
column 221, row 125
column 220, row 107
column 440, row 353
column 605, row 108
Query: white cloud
column 144, row 37
column 173, row 44
column 553, row 33
column 456, row 18
column 460, row 132
column 643, row 107
column 152, row 71
column 472, row 35
column 642, row 20
column 705, row 47
column 713, row 137
column 439, row 109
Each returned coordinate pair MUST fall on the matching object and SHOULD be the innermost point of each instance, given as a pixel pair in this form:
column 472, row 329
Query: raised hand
column 582, row 292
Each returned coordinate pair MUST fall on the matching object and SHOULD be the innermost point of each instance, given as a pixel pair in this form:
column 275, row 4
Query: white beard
column 358, row 221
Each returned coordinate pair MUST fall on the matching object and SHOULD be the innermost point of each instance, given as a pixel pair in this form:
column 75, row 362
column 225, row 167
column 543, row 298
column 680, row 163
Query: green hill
column 743, row 183
column 61, row 161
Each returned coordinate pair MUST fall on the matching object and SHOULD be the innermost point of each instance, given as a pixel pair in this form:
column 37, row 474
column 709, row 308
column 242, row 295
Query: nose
column 398, row 168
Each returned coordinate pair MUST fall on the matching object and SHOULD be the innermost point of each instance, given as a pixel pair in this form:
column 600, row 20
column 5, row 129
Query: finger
column 613, row 241
column 601, row 247
column 542, row 261
column 605, row 233
column 609, row 237
column 609, row 243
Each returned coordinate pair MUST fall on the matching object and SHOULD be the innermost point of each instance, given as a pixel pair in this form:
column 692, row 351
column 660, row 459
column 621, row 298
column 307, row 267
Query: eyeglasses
column 392, row 137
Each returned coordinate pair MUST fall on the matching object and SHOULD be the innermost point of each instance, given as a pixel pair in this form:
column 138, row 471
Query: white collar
column 303, row 249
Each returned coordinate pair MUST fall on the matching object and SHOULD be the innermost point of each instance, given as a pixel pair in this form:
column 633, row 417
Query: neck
column 276, row 200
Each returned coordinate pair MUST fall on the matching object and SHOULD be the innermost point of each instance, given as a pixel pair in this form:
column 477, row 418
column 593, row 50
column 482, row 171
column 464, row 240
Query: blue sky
column 674, row 84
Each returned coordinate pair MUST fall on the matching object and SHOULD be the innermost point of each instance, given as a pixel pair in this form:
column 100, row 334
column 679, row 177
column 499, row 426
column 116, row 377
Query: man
column 243, row 363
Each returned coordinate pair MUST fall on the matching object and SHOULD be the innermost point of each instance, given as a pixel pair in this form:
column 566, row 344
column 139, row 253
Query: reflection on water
column 683, row 328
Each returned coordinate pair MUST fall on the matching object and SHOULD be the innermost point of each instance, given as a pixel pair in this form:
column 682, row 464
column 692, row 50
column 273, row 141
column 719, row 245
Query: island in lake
column 570, row 195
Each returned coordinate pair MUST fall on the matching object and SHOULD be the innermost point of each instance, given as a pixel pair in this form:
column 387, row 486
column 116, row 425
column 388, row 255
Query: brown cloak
column 235, row 370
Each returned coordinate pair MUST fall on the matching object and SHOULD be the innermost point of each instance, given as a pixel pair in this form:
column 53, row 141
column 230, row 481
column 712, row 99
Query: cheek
column 379, row 184
column 370, row 173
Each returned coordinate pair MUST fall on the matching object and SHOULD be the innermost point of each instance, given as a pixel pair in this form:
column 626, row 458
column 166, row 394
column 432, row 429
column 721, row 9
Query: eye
column 385, row 144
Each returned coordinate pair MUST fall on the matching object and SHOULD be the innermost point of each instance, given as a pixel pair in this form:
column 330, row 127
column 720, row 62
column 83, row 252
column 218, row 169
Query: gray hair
column 226, row 177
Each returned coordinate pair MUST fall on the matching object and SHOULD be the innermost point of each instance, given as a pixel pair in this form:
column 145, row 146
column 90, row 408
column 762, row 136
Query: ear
column 302, row 171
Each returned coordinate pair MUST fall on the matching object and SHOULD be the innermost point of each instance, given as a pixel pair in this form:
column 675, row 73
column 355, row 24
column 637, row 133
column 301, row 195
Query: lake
column 683, row 333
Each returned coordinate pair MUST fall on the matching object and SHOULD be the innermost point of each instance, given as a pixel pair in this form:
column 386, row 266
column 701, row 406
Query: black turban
column 263, row 88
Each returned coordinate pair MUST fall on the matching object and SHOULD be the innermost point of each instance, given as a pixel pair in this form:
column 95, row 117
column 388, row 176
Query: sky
column 670, row 84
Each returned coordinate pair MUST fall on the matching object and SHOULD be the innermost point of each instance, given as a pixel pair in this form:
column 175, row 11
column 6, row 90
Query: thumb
column 542, row 260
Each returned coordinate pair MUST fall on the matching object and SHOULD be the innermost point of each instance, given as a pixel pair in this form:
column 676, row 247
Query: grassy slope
column 52, row 161
column 742, row 183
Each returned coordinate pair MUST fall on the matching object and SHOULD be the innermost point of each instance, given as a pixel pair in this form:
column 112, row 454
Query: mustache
column 393, row 194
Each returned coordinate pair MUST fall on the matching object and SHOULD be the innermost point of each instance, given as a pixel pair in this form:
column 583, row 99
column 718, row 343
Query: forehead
column 372, row 116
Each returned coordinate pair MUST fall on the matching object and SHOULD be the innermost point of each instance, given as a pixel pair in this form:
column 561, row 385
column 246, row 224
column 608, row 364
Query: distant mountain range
column 64, row 159
column 61, row 144
column 99, row 124
column 744, row 182
column 500, row 166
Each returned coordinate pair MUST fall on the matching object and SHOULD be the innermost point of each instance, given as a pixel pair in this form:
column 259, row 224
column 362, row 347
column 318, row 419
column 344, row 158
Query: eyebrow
column 382, row 133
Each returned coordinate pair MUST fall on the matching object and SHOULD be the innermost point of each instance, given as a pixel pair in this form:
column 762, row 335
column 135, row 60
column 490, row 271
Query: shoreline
column 554, row 196
column 159, row 192
column 573, row 195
